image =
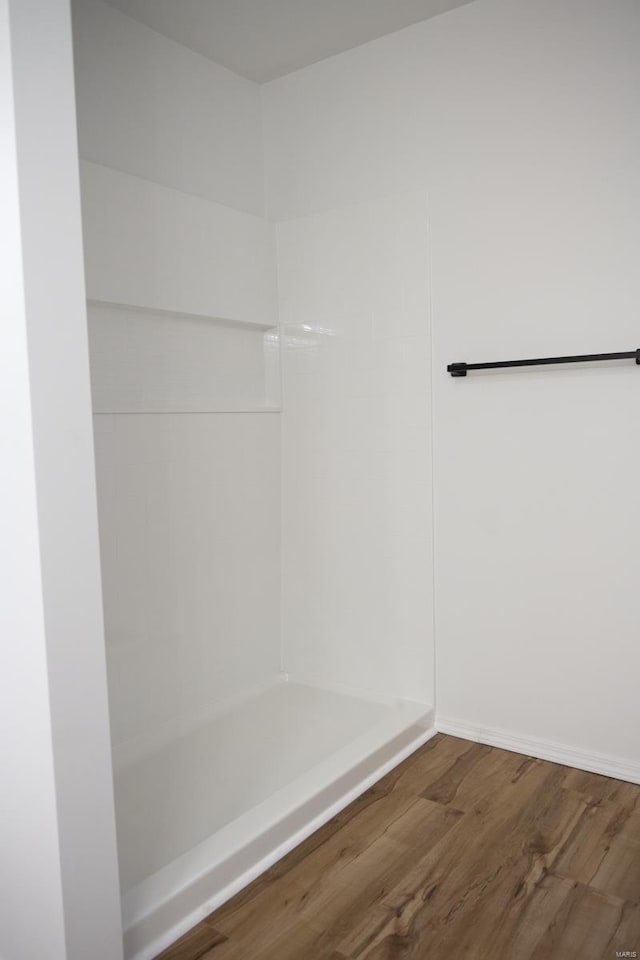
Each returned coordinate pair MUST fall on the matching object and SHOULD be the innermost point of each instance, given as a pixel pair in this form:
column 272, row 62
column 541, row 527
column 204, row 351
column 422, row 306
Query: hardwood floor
column 462, row 851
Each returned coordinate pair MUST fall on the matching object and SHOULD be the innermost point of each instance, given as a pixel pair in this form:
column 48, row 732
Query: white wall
column 519, row 117
column 59, row 896
column 28, row 821
column 152, row 108
column 357, row 546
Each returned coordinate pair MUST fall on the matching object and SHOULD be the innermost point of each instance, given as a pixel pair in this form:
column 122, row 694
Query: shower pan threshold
column 203, row 812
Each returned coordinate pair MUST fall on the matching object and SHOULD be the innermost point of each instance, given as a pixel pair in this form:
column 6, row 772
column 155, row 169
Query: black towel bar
column 460, row 369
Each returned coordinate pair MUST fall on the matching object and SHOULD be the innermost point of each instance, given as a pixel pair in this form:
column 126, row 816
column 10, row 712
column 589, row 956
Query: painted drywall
column 28, row 821
column 520, row 120
column 60, row 896
column 357, row 546
column 152, row 108
column 189, row 510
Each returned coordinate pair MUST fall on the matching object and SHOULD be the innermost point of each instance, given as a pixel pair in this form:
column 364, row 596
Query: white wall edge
column 607, row 766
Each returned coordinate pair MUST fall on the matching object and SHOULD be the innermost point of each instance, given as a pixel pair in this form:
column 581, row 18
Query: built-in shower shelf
column 145, row 360
column 149, row 246
column 181, row 314
column 242, row 408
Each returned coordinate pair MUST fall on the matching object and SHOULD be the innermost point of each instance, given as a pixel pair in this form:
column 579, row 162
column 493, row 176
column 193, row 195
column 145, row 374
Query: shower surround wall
column 234, row 738
column 355, row 440
column 189, row 516
column 189, row 501
column 356, row 467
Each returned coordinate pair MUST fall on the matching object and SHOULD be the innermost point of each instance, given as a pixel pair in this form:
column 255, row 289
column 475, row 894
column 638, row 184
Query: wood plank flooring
column 462, row 851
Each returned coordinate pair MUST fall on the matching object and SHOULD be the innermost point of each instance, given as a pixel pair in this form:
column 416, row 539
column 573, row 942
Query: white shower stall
column 262, row 426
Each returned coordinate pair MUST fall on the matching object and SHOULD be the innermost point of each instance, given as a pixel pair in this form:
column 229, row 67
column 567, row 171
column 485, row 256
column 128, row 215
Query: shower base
column 204, row 807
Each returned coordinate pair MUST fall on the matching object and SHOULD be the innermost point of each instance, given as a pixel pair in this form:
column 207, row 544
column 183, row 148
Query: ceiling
column 265, row 39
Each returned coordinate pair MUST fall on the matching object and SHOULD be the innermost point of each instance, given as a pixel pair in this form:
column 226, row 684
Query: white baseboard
column 542, row 749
